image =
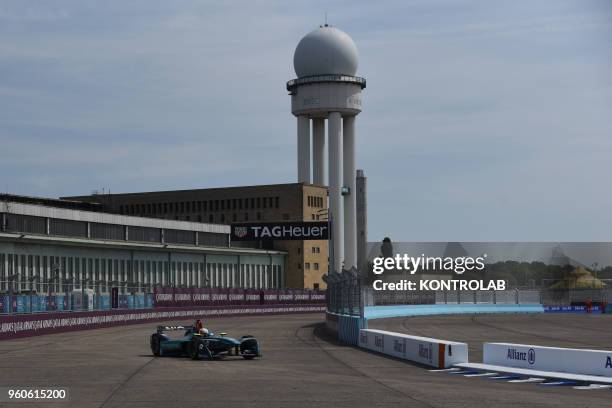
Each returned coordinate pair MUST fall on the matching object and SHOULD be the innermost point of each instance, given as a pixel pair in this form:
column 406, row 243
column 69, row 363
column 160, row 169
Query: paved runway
column 301, row 367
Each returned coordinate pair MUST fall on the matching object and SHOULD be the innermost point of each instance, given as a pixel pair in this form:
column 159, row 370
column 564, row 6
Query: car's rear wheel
column 155, row 345
column 193, row 349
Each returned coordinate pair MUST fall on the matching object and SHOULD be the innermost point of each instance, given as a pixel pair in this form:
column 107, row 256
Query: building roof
column 76, row 214
column 105, row 197
column 52, row 202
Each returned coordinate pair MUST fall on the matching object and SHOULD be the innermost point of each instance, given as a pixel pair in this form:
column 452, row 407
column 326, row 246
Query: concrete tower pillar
column 361, row 196
column 318, row 151
column 303, row 151
column 350, row 202
column 336, row 206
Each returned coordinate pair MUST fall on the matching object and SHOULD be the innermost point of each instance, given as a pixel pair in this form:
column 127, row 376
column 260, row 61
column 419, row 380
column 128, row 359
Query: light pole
column 84, row 281
column 31, row 279
column 11, row 279
column 97, row 284
column 594, row 266
column 55, row 272
column 325, row 215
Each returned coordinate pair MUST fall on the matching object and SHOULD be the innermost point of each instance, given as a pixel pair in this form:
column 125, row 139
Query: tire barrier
column 24, row 325
column 423, row 350
column 566, row 360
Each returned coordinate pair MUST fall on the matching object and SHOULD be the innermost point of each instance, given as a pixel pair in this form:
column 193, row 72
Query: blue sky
column 483, row 120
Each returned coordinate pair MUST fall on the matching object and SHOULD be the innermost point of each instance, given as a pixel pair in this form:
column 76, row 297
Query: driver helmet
column 204, row 331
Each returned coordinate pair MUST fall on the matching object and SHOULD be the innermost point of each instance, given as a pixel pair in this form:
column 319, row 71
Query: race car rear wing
column 161, row 329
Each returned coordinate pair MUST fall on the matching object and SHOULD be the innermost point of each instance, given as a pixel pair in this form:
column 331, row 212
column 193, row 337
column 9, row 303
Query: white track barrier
column 424, row 350
column 566, row 360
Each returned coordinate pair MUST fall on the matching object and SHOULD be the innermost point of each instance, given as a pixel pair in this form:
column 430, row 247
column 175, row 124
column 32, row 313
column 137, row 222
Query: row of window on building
column 222, row 218
column 315, row 266
column 54, row 274
column 314, row 201
column 184, row 207
column 115, row 232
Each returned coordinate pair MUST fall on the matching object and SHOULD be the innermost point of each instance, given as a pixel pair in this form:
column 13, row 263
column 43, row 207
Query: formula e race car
column 197, row 344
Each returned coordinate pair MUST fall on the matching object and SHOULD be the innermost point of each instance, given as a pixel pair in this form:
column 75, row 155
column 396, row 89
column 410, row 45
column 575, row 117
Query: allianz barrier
column 423, row 350
column 566, row 360
column 24, row 325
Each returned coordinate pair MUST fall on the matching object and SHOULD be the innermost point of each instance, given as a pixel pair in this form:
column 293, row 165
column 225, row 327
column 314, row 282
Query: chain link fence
column 344, row 293
column 569, row 297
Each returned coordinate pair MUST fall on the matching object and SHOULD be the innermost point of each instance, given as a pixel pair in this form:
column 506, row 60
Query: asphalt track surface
column 301, row 367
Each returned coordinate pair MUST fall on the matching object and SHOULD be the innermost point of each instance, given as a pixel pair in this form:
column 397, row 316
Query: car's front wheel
column 155, row 345
column 249, row 348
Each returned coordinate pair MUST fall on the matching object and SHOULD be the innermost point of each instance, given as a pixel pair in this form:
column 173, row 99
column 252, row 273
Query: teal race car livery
column 196, row 343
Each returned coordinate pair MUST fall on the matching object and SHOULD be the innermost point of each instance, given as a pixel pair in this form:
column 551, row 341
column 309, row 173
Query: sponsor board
column 570, row 309
column 285, row 231
column 165, row 296
column 423, row 350
column 576, row 361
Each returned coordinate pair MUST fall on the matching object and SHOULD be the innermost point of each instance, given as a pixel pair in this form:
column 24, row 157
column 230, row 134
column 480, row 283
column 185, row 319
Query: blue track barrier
column 381, row 312
column 345, row 327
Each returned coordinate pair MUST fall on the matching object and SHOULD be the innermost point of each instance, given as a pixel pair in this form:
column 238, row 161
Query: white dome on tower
column 325, row 50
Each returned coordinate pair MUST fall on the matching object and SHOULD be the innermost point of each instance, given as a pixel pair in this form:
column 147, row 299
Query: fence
column 347, row 296
column 568, row 297
column 514, row 296
column 344, row 293
column 87, row 298
column 128, row 297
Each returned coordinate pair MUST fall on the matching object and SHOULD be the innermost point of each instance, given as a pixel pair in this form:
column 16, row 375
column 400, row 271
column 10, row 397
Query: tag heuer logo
column 241, row 232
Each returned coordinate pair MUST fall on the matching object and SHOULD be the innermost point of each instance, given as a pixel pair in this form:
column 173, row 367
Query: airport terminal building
column 306, row 261
column 55, row 246
column 136, row 241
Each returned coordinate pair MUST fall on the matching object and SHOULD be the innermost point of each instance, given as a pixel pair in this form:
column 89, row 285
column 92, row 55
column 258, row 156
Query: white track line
column 593, row 387
column 555, row 383
column 465, row 372
column 481, row 375
column 444, row 370
column 528, row 380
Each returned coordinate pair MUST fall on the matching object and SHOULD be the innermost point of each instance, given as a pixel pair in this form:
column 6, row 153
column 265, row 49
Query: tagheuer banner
column 280, row 231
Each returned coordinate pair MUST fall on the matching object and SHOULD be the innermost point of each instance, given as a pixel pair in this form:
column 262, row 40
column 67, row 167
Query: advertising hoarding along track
column 567, row 360
column 423, row 350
